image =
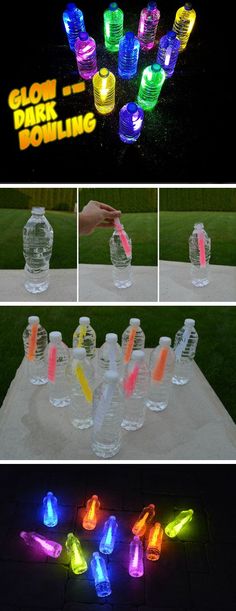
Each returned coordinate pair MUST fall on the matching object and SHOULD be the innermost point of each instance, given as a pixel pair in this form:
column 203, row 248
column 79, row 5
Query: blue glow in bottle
column 73, row 19
column 50, row 512
column 130, row 122
column 129, row 48
column 101, row 579
column 108, row 539
column 168, row 52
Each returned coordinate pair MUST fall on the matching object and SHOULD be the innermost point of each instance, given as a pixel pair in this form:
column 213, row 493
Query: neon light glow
column 154, row 542
column 136, row 558
column 91, row 515
column 50, row 511
column 145, row 518
column 38, row 542
column 173, row 528
column 168, row 55
column 107, row 542
column 74, row 549
column 100, row 575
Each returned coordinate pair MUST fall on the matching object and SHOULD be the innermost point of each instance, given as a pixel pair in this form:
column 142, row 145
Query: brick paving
column 196, row 571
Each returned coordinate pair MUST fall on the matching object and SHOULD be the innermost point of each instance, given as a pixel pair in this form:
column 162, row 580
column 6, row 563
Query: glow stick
column 50, row 512
column 91, row 515
column 123, row 238
column 77, row 560
column 82, row 333
column 107, row 542
column 173, row 528
column 33, row 539
column 136, row 558
column 201, row 246
column 33, row 342
column 145, row 517
column 52, row 363
column 154, row 542
column 101, row 579
column 158, row 371
column 130, row 381
column 182, row 345
column 130, row 345
column 85, row 387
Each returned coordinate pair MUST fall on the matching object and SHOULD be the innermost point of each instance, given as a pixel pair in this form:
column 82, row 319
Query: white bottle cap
column 137, row 355
column 84, row 320
column 189, row 322
column 111, row 376
column 79, row 353
column 111, row 338
column 37, row 210
column 134, row 322
column 33, row 319
column 165, row 341
column 55, row 337
column 198, row 226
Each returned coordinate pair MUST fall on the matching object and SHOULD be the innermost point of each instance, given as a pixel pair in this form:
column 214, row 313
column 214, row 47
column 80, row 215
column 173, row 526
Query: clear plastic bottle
column 168, row 51
column 37, row 251
column 108, row 411
column 159, row 389
column 151, row 84
column 113, row 26
column 37, row 371
column 100, row 575
column 86, row 55
column 135, row 404
column 104, row 91
column 131, row 118
column 121, row 271
column 149, row 19
column 199, row 255
column 133, row 338
column 110, row 355
column 183, row 23
column 129, row 48
column 85, row 337
column 185, row 346
column 59, row 392
column 80, row 376
column 73, row 19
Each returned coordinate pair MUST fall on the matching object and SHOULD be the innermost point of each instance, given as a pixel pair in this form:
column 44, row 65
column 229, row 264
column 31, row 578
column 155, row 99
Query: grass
column 216, row 327
column 52, row 198
column 127, row 200
column 214, row 200
column 176, row 227
column 142, row 228
column 65, row 240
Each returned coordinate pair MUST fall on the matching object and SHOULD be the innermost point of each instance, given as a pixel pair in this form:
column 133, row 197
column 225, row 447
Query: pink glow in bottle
column 148, row 22
column 136, row 558
column 86, row 55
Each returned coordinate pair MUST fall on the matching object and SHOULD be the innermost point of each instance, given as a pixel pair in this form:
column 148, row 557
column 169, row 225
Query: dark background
column 196, row 570
column 185, row 139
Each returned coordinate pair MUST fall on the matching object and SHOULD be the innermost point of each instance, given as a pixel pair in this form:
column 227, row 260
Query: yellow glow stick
column 87, row 391
column 82, row 333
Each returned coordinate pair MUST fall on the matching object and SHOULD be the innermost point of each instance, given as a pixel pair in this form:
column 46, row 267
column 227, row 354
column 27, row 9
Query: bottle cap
column 111, row 338
column 171, row 35
column 132, row 107
column 156, row 68
column 111, row 376
column 189, row 322
column 55, row 337
column 165, row 341
column 38, row 210
column 151, row 6
column 134, row 322
column 188, row 6
column 129, row 36
column 104, row 72
column 83, row 35
column 137, row 355
column 33, row 319
column 79, row 353
column 84, row 320
column 198, row 226
column 113, row 6
column 71, row 6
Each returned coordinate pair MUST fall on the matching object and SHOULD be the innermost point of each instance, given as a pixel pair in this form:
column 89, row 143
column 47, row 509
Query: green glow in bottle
column 152, row 80
column 173, row 528
column 74, row 549
column 113, row 26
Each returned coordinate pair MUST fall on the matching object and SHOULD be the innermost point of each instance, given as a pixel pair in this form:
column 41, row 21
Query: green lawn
column 65, row 239
column 141, row 228
column 216, row 327
column 176, row 227
column 127, row 199
column 216, row 200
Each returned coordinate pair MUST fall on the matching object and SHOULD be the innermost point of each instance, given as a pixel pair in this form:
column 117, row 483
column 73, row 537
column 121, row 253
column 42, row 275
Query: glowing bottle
column 144, row 519
column 129, row 48
column 168, row 51
column 77, row 560
column 155, row 536
column 104, row 87
column 85, row 337
column 38, row 542
column 35, row 339
column 133, row 338
column 101, row 579
column 107, row 542
column 183, row 23
column 74, row 23
column 152, row 80
column 130, row 122
column 136, row 557
column 86, row 55
column 149, row 19
column 113, row 26
column 173, row 528
column 50, row 511
column 91, row 514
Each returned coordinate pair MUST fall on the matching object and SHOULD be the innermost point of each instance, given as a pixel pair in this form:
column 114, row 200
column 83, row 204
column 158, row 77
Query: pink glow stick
column 130, row 381
column 52, row 363
column 123, row 238
column 201, row 246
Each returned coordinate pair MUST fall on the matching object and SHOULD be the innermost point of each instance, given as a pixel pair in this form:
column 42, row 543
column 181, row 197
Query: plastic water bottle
column 131, row 118
column 85, row 337
column 133, row 338
column 59, row 392
column 86, row 55
column 73, row 19
column 152, row 80
column 108, row 411
column 135, row 405
column 100, row 575
column 113, row 26
column 149, row 19
column 110, row 355
column 199, row 269
column 129, row 48
column 185, row 346
column 37, row 251
column 80, row 376
column 37, row 371
column 121, row 271
column 168, row 51
column 183, row 23
column 104, row 91
column 158, row 391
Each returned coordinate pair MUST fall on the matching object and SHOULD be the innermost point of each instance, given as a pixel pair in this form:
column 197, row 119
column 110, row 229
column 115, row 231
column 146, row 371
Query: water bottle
column 131, row 118
column 37, row 251
column 159, row 385
column 104, row 91
column 133, row 338
column 108, row 410
column 100, row 575
column 80, row 376
column 85, row 337
column 86, row 55
column 113, row 26
column 135, row 404
column 183, row 23
column 34, row 351
column 74, row 23
column 152, row 80
column 110, row 355
column 59, row 392
column 128, row 57
column 149, row 19
column 121, row 271
column 199, row 255
column 185, row 346
column 168, row 51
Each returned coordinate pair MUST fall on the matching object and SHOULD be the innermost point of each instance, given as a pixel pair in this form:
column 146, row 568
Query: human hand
column 96, row 214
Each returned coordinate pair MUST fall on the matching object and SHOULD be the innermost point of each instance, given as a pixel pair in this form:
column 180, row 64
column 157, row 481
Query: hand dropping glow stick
column 77, row 560
column 155, row 536
column 173, row 528
column 130, row 345
column 145, row 518
column 107, row 542
column 158, row 371
column 101, row 579
column 136, row 558
column 130, row 381
column 201, row 246
column 33, row 342
column 52, row 363
column 82, row 333
column 38, row 542
column 85, row 387
column 123, row 238
column 91, row 515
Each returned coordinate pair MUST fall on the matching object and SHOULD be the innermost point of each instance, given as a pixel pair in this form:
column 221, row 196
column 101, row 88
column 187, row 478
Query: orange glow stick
column 145, row 517
column 33, row 342
column 158, row 371
column 130, row 345
column 92, row 508
column 154, row 542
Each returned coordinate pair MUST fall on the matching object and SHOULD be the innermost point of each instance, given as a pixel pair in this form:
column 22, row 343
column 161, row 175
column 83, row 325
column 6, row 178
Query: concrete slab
column 96, row 284
column 175, row 283
column 63, row 286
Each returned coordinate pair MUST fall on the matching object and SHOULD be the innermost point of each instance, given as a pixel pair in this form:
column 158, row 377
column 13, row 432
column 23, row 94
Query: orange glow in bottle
column 144, row 519
column 92, row 508
column 155, row 536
